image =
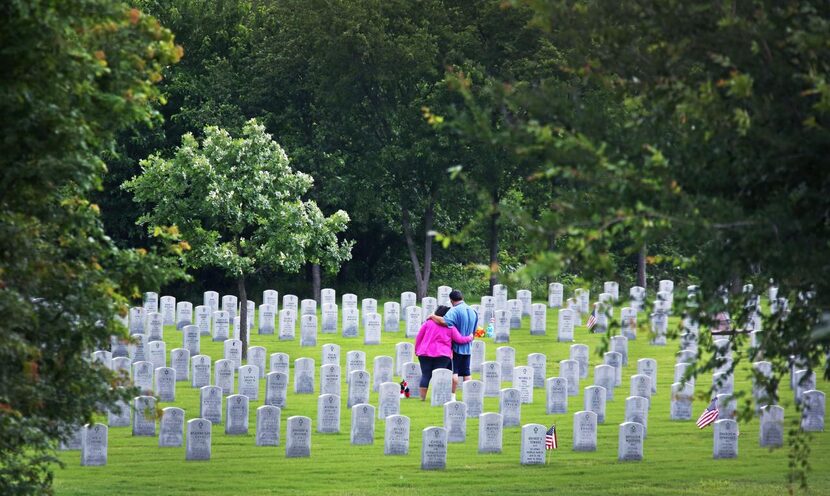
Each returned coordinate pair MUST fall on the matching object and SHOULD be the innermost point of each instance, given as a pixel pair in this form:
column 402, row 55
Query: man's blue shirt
column 463, row 318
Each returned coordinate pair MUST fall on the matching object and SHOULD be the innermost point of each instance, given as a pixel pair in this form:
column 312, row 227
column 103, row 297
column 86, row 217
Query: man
column 464, row 319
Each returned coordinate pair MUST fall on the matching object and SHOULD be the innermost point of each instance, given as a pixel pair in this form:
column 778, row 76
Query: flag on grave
column 550, row 438
column 709, row 415
column 592, row 320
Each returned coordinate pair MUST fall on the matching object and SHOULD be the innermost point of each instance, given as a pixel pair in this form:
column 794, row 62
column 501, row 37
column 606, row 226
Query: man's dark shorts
column 461, row 364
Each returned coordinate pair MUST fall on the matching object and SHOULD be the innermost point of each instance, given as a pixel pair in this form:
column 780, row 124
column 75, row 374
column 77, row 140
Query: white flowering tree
column 238, row 203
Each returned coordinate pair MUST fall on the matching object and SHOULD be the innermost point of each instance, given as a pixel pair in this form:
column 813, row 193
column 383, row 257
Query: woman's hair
column 442, row 310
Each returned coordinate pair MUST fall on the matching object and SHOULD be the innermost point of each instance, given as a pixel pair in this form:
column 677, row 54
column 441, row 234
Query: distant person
column 463, row 318
column 433, row 345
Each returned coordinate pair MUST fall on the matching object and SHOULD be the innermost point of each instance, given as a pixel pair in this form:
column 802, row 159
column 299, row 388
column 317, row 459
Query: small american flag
column 709, row 415
column 550, row 438
column 592, row 320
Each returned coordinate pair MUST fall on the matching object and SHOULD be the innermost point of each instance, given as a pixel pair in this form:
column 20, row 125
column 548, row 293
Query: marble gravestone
column 569, row 370
column 221, row 326
column 276, row 389
column 434, row 448
column 165, row 384
column 290, row 302
column 143, row 376
column 267, row 319
column 813, row 408
column 579, row 352
column 391, row 317
column 636, row 410
column 328, row 413
column 355, row 360
column 455, row 421
column 136, row 320
column 144, row 416
column 256, row 357
column 539, row 363
column 428, row 306
column 198, row 439
column 363, row 424
column 389, row 400
column 203, row 315
column 491, row 377
column 477, row 352
column 396, row 439
column 604, row 376
column 506, row 358
column 210, row 404
column 167, row 309
column 514, row 310
column 473, row 396
column 555, row 294
column 620, row 345
column 501, row 332
column 443, row 295
column 726, row 439
column 153, row 327
column 648, row 366
column 308, row 330
column 119, row 414
column 223, row 376
column 532, row 450
column 440, row 387
column 490, row 428
column 171, row 427
column 585, row 431
column 287, row 324
column 330, row 354
column 538, row 319
column 523, row 381
column 510, row 407
column 628, row 323
column 595, row 400
column 408, row 299
column 280, row 362
column 383, row 371
column 328, row 295
column 330, row 380
column 304, row 376
column 411, row 373
column 659, row 328
column 298, row 437
column 630, row 444
column 771, row 433
column 329, row 315
column 233, row 352
column 612, row 288
column 359, row 387
column 727, row 406
column 236, row 414
column 525, row 297
column 157, row 351
column 350, row 322
column 681, row 401
column 488, row 309
column 371, row 328
column 557, row 395
column 191, row 339
column 268, row 425
column 413, row 321
column 614, row 359
column 404, row 353
column 94, row 440
column 248, row 377
column 229, row 305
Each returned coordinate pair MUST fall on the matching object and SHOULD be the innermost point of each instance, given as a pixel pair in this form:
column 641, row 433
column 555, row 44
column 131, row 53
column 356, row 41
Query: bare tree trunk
column 641, row 266
column 494, row 240
column 315, row 281
column 410, row 245
column 429, row 217
column 243, row 316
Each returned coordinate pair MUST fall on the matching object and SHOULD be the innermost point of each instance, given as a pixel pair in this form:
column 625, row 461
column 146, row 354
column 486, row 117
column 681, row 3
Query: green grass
column 678, row 456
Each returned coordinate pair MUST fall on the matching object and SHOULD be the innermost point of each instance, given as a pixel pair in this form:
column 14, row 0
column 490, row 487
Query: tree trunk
column 410, row 245
column 243, row 316
column 315, row 281
column 641, row 266
column 494, row 240
column 429, row 217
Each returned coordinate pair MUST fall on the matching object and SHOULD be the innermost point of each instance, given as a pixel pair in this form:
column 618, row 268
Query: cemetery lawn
column 677, row 456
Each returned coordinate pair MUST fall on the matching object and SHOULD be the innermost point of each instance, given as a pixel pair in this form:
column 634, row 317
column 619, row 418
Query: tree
column 725, row 110
column 75, row 73
column 237, row 202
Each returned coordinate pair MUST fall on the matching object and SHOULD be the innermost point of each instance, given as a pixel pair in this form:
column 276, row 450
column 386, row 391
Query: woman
column 433, row 345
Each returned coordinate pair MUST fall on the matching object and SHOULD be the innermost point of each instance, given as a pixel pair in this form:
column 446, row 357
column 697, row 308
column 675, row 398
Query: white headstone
column 371, row 328
column 726, row 439
column 440, row 387
column 681, row 401
column 165, row 383
column 171, row 428
column 630, row 444
column 144, row 416
column 413, row 321
column 359, row 387
column 557, row 395
column 363, row 424
column 392, row 317
column 268, row 425
column 585, row 431
column 221, row 326
column 330, row 315
column 569, row 370
column 298, row 437
column 396, row 440
column 510, row 406
column 538, row 319
column 532, row 451
column 771, row 433
column 351, row 320
column 94, row 445
column 304, row 376
column 329, row 380
column 248, row 377
column 184, row 314
column 267, row 319
column 328, row 413
column 555, row 294
column 276, row 389
column 308, row 329
column 383, row 371
column 210, row 299
column 523, row 381
column 595, row 400
column 287, row 323
column 477, row 351
column 579, row 352
column 236, row 414
column 434, row 448
column 389, row 399
column 491, row 377
column 198, row 439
